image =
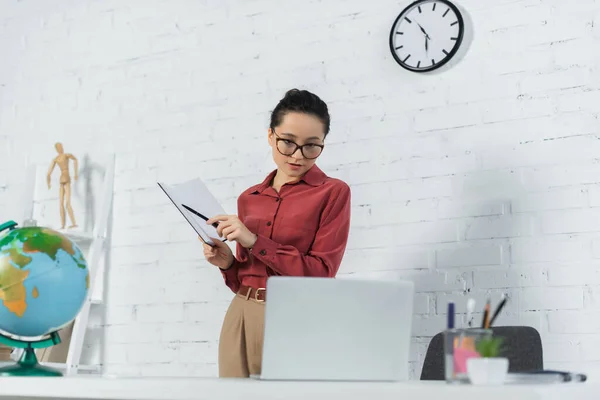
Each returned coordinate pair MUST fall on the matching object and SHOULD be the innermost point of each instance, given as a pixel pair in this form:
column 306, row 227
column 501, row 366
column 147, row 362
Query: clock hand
column 426, row 44
column 423, row 30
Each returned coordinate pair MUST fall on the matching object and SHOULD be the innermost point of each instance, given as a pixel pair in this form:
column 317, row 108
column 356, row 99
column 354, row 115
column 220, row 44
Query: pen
column 190, row 209
column 499, row 308
column 215, row 224
column 450, row 315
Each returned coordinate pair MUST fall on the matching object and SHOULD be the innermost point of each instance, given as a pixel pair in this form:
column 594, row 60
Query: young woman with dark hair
column 295, row 223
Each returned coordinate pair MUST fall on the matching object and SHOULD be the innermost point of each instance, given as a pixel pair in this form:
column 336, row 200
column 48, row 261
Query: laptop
column 339, row 329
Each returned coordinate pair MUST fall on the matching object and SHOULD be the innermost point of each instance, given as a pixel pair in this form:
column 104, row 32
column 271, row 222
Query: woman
column 294, row 223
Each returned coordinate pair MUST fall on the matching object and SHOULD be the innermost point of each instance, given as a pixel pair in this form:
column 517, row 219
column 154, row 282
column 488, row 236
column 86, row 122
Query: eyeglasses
column 289, row 147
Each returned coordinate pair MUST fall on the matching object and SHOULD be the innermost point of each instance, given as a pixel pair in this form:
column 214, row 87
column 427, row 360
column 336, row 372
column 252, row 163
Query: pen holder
column 459, row 346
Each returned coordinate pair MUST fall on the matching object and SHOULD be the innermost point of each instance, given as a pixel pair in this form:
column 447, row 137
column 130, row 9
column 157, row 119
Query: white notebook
column 195, row 194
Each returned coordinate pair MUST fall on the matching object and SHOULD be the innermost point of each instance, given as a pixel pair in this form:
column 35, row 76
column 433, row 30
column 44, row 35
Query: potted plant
column 489, row 368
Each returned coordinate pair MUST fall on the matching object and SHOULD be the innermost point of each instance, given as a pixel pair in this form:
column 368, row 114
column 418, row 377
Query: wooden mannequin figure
column 62, row 160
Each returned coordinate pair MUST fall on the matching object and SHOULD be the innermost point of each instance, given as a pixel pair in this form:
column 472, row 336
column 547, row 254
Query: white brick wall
column 478, row 181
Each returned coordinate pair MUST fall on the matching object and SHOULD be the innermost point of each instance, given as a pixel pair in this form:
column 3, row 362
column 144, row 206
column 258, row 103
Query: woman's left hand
column 232, row 228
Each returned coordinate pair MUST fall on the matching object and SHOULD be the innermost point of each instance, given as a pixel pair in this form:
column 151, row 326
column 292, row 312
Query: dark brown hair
column 296, row 100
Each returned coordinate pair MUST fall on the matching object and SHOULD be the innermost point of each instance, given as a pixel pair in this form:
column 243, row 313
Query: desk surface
column 216, row 389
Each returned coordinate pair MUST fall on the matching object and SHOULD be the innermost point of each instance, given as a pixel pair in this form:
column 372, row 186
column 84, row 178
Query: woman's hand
column 232, row 228
column 220, row 255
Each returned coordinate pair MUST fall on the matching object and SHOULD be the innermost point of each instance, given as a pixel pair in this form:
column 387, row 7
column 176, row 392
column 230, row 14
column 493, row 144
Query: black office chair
column 522, row 346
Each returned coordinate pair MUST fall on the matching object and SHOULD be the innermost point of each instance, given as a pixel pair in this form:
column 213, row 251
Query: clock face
column 426, row 35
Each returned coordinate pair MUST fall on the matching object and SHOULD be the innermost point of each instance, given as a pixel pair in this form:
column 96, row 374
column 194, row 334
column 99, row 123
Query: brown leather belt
column 248, row 292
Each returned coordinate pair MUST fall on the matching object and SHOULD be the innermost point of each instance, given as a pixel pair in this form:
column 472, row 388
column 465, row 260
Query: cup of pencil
column 462, row 344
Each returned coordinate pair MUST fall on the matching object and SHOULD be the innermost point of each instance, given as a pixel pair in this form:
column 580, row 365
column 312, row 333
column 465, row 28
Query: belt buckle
column 256, row 294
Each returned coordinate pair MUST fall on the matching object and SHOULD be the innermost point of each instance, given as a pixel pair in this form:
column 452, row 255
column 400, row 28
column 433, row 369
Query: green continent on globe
column 12, row 289
column 16, row 256
column 46, row 241
column 33, row 240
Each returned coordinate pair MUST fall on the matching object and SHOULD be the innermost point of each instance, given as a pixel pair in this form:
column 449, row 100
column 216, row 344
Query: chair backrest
column 522, row 346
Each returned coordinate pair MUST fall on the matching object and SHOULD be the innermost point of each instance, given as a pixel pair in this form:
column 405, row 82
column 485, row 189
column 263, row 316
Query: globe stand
column 28, row 365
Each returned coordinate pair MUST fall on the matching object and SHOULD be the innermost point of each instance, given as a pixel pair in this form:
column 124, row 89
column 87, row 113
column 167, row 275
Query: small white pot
column 487, row 371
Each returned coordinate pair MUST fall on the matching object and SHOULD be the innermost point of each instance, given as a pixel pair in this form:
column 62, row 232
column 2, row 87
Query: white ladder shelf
column 97, row 241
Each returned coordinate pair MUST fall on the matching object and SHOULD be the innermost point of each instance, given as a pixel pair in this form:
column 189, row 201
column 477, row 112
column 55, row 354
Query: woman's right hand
column 220, row 255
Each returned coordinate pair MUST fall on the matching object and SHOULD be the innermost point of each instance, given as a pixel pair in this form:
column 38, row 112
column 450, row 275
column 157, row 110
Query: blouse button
column 277, row 199
column 263, row 252
column 269, row 223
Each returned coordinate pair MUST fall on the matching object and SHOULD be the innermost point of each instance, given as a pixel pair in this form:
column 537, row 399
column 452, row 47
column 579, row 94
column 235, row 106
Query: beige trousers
column 241, row 340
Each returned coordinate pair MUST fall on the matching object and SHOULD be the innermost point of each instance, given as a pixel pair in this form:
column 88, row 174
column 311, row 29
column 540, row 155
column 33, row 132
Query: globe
column 44, row 281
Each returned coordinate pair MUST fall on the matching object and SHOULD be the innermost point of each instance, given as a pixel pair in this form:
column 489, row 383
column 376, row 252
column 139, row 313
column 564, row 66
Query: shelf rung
column 60, row 366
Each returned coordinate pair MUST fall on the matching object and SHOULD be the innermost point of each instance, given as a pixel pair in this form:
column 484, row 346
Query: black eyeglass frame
column 301, row 147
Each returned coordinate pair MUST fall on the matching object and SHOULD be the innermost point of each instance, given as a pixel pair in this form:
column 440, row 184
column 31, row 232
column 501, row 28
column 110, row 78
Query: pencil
column 486, row 315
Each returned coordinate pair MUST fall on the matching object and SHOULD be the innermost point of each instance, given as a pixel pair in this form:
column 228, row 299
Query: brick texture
column 479, row 181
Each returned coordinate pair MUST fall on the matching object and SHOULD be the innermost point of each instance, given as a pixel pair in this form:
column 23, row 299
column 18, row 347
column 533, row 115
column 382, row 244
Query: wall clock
column 427, row 34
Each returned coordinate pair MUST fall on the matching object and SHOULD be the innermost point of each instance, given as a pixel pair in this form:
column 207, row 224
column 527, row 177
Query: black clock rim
column 452, row 53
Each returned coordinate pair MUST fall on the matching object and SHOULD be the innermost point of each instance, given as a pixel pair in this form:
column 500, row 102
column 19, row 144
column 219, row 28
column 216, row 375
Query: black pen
column 500, row 306
column 215, row 224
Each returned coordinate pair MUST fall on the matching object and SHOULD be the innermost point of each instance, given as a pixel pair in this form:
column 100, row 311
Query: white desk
column 246, row 389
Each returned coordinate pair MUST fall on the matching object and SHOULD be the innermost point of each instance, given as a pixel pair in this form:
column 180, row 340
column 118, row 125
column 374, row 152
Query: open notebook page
column 196, row 195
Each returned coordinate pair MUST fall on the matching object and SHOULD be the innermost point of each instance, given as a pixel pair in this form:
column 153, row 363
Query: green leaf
column 490, row 347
